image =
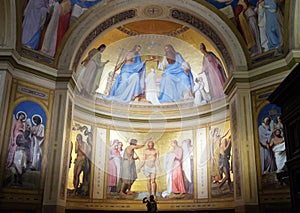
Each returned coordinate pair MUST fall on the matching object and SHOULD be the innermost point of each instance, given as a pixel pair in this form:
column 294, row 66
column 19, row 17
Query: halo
column 114, row 142
column 18, row 113
column 276, row 130
column 37, row 116
column 150, row 141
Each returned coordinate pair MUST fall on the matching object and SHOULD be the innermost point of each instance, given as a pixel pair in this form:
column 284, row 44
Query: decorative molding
column 153, row 11
column 37, row 55
column 206, row 30
column 100, row 28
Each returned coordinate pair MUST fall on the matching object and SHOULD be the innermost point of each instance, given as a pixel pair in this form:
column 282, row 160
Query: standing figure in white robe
column 169, row 159
column 278, row 147
column 90, row 77
column 82, row 67
column 50, row 39
column 20, row 158
column 118, row 160
column 38, row 135
column 151, row 93
column 201, row 96
column 187, row 165
column 261, row 19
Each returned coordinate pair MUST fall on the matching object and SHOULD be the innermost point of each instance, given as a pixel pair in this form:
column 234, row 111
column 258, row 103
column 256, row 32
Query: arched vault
column 107, row 16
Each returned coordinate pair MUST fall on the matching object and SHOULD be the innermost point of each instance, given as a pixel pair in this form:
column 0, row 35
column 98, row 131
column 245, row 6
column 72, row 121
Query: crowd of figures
column 125, row 165
column 272, row 145
column 123, row 170
column 45, row 22
column 25, row 145
column 260, row 22
column 133, row 83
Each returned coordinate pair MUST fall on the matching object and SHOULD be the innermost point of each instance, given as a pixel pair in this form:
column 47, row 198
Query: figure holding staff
column 130, row 83
column 112, row 75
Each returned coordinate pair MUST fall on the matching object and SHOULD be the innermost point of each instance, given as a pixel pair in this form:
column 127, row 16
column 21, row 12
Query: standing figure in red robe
column 177, row 174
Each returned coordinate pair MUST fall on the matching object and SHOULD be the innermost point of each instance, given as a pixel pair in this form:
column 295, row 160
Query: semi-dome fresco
column 154, row 69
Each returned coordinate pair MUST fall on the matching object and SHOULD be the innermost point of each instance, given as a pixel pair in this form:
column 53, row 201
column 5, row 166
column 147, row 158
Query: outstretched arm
column 138, row 146
column 224, row 135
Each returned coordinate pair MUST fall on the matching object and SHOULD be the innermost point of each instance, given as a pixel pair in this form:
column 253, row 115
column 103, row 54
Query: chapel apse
column 94, row 182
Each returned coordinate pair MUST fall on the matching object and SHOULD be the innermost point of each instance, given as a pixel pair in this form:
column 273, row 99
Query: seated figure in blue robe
column 130, row 83
column 177, row 79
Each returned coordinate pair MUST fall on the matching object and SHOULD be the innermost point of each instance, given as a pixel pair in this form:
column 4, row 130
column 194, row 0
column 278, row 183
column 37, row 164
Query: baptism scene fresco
column 161, row 165
column 260, row 22
column 131, row 165
column 25, row 146
column 272, row 149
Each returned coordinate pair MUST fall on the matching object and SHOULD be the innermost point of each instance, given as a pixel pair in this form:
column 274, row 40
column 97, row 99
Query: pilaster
column 7, row 24
column 294, row 24
column 244, row 164
column 54, row 199
column 5, row 88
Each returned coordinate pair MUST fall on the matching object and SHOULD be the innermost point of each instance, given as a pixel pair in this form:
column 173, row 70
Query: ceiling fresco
column 259, row 23
column 253, row 20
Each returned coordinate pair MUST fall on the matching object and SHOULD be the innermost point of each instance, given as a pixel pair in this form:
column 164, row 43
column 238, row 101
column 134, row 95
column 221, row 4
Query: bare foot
column 181, row 195
column 220, row 191
column 122, row 194
column 130, row 192
column 171, row 196
column 133, row 98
